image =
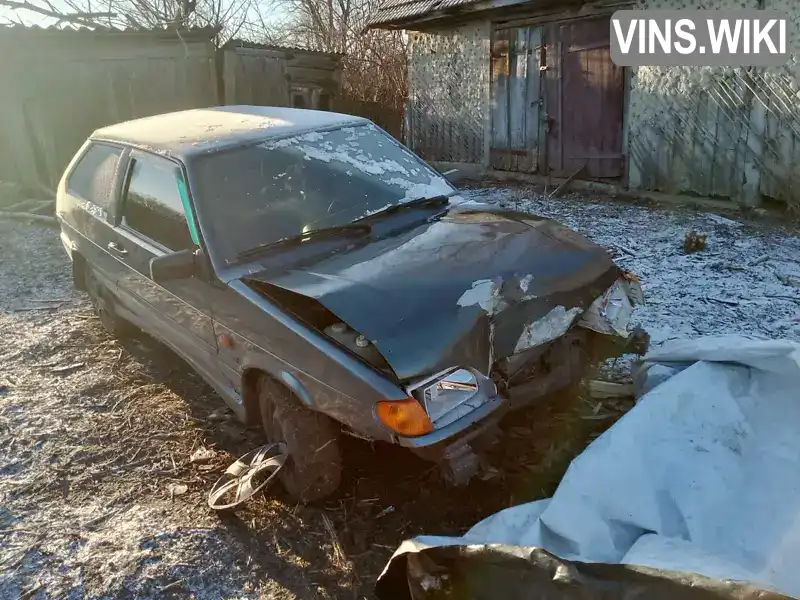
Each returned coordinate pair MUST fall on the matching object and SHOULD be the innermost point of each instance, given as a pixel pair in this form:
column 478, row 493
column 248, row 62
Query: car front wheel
column 313, row 469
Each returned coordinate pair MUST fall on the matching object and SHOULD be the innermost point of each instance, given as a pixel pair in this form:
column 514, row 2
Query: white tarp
column 703, row 475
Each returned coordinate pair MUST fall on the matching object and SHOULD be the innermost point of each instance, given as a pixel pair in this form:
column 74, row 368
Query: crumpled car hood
column 458, row 291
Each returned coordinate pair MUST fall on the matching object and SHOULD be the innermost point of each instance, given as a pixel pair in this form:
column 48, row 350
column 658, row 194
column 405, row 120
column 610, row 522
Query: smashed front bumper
column 601, row 331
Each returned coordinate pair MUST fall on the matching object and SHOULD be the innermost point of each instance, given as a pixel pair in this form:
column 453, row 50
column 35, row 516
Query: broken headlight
column 451, row 395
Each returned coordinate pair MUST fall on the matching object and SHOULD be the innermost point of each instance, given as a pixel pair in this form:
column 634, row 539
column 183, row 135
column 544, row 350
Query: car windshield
column 255, row 195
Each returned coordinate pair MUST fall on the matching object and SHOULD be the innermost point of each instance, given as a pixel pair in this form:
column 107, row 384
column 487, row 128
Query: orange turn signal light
column 406, row 417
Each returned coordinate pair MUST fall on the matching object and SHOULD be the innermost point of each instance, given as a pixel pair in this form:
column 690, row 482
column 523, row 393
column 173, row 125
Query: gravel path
column 97, row 495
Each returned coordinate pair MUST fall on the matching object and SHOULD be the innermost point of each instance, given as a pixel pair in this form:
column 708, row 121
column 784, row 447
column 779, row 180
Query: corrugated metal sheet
column 396, row 11
column 194, row 33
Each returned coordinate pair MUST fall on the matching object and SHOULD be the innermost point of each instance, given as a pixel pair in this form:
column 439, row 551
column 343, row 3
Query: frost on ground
column 98, row 497
column 747, row 281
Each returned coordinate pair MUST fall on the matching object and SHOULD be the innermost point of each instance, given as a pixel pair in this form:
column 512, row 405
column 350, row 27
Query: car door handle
column 115, row 247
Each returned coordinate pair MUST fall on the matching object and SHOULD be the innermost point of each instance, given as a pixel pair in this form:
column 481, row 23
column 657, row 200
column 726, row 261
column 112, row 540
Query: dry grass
column 98, row 496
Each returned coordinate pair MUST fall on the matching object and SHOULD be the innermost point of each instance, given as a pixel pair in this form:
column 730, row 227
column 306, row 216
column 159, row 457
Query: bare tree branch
column 374, row 62
column 87, row 19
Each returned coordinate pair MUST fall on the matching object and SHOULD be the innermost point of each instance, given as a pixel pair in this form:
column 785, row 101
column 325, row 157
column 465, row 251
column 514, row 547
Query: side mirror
column 179, row 265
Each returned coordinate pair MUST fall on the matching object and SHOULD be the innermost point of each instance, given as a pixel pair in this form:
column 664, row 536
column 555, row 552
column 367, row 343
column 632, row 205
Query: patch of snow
column 437, row 186
column 525, row 282
column 92, row 208
column 311, row 136
column 312, row 147
column 98, row 498
column 720, row 220
column 684, row 292
column 377, row 210
column 485, row 293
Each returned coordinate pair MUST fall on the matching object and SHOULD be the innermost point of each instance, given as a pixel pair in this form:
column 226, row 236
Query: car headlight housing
column 453, row 394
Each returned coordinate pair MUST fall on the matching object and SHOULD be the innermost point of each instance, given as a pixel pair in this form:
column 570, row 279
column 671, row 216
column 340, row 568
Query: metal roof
column 397, row 14
column 203, row 130
column 398, row 11
column 72, row 30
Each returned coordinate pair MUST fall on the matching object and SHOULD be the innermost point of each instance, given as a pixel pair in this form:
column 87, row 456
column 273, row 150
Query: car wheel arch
column 79, row 266
column 250, row 399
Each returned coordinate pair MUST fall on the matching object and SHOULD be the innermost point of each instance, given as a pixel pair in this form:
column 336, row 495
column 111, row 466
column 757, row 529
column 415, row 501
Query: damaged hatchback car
column 325, row 280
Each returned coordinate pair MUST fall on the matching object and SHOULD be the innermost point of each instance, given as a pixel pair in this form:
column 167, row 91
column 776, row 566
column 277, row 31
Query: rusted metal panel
column 515, row 99
column 590, row 102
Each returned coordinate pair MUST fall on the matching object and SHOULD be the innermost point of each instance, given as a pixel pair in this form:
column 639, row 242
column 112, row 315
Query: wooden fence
column 58, row 86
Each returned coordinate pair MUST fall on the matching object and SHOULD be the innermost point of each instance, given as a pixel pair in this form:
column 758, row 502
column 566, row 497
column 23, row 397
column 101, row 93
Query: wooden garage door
column 585, row 97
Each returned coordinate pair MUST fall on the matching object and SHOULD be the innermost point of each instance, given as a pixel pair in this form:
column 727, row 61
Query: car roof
column 202, row 130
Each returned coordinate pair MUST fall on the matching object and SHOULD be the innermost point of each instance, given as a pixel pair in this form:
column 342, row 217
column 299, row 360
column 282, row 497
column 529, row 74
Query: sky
column 274, row 15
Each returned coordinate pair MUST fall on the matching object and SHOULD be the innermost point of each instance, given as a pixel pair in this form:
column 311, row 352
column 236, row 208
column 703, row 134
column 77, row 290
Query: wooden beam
column 600, row 390
column 29, row 217
column 560, row 189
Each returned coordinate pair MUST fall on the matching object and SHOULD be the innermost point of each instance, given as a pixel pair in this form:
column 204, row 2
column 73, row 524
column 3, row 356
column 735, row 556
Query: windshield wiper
column 324, row 232
column 418, row 203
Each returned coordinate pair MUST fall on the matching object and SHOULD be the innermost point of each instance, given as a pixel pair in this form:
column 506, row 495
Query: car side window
column 93, row 177
column 153, row 205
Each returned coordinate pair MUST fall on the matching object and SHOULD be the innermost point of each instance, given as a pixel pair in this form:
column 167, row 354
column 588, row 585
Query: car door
column 152, row 222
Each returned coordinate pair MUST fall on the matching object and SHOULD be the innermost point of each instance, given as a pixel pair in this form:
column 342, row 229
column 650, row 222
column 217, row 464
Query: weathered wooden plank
column 553, row 35
column 499, row 98
column 230, row 80
column 29, row 217
column 312, row 61
column 517, row 89
column 533, row 98
column 606, row 389
column 306, row 74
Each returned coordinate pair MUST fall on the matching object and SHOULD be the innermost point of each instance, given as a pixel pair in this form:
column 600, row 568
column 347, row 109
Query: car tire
column 103, row 305
column 313, row 469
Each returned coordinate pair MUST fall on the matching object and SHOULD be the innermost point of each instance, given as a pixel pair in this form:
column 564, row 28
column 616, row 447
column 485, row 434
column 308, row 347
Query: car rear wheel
column 103, row 305
column 313, row 469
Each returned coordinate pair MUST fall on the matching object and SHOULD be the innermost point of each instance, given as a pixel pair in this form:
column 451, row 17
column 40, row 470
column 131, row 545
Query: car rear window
column 93, row 177
column 153, row 204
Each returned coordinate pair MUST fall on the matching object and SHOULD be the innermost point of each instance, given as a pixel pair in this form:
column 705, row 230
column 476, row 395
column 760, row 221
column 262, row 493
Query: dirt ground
column 97, row 494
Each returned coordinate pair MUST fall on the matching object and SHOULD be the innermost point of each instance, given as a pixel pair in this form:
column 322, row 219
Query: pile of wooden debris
column 17, row 202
